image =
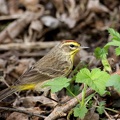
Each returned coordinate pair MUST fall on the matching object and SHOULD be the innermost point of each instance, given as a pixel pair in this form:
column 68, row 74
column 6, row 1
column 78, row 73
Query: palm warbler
column 58, row 62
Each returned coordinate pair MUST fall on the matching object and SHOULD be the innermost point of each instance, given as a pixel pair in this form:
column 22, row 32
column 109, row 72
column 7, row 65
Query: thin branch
column 27, row 46
column 10, row 17
column 22, row 111
column 107, row 115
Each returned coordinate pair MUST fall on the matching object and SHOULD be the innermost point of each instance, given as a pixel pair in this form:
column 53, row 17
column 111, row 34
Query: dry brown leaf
column 16, row 27
column 23, row 64
column 30, row 101
column 36, row 25
column 2, row 63
column 22, row 116
column 70, row 4
column 31, row 5
column 13, row 7
column 3, row 7
column 34, row 30
column 99, row 25
column 91, row 115
column 50, row 21
column 96, row 6
column 59, row 5
column 67, row 20
column 17, row 116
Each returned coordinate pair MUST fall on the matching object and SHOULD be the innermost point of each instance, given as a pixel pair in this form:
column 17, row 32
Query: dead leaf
column 31, row 5
column 22, row 116
column 17, row 116
column 30, row 101
column 36, row 25
column 50, row 21
column 13, row 29
column 59, row 5
column 23, row 64
column 3, row 7
column 96, row 6
column 91, row 115
column 68, row 20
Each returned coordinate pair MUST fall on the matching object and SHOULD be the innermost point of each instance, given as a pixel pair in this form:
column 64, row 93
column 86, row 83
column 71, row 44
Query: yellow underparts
column 26, row 87
column 73, row 54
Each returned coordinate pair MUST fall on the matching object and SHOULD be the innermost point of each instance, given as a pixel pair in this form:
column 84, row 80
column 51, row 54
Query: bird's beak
column 84, row 47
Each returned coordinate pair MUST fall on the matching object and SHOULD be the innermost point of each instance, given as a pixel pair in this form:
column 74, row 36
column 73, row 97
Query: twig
column 61, row 110
column 10, row 17
column 27, row 45
column 22, row 111
column 104, row 110
column 32, row 54
column 107, row 115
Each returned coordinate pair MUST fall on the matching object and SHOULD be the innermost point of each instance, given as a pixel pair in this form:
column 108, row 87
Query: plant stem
column 83, row 94
column 73, row 94
column 115, row 111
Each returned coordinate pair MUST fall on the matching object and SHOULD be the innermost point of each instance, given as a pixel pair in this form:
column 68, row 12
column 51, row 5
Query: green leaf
column 96, row 79
column 115, row 35
column 100, row 53
column 57, row 84
column 115, row 40
column 117, row 51
column 80, row 111
column 106, row 64
column 113, row 43
column 114, row 81
column 101, row 107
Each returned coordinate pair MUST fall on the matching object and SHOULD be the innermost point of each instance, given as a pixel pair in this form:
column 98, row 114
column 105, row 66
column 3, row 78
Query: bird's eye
column 72, row 46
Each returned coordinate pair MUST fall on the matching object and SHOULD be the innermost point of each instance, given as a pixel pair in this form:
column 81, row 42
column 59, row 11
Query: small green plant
column 101, row 54
column 80, row 111
column 115, row 40
column 92, row 79
column 101, row 107
column 96, row 79
column 114, row 79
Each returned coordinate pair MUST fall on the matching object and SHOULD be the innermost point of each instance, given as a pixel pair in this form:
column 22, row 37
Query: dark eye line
column 71, row 45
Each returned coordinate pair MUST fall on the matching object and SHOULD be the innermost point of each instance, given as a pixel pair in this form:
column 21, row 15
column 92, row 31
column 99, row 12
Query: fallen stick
column 22, row 111
column 60, row 111
column 27, row 46
column 10, row 17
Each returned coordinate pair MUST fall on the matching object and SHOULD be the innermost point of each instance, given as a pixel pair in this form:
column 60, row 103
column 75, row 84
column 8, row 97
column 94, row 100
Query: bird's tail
column 7, row 92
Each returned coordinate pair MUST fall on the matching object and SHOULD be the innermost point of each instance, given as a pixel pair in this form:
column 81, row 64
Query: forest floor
column 30, row 28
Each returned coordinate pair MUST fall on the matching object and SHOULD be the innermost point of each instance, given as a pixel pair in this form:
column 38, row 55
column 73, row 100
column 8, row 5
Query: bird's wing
column 35, row 75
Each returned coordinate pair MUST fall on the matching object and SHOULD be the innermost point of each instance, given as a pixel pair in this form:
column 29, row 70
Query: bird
column 57, row 62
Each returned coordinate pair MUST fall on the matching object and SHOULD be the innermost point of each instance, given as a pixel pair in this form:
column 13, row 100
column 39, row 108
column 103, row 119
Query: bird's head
column 70, row 47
